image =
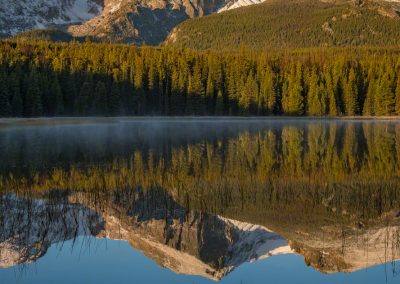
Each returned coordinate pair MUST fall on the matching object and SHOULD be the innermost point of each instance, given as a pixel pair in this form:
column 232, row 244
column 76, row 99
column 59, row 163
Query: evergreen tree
column 5, row 106
column 292, row 98
column 350, row 94
column 114, row 100
column 16, row 97
column 196, row 92
column 267, row 99
column 315, row 98
column 331, row 94
column 82, row 101
column 397, row 96
column 220, row 105
column 68, row 84
column 385, row 98
column 33, row 105
column 369, row 102
column 56, row 98
column 99, row 106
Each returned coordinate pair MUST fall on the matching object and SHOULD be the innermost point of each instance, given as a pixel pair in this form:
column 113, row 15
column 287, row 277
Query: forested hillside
column 294, row 24
column 58, row 79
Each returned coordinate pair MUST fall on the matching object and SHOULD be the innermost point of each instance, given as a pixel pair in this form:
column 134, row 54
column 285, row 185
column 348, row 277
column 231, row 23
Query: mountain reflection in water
column 203, row 197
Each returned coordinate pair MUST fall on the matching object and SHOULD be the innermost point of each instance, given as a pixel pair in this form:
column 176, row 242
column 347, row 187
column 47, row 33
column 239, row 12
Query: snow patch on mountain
column 21, row 15
column 239, row 3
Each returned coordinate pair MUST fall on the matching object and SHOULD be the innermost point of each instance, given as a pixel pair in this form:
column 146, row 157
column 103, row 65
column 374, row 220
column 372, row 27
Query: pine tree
column 397, row 96
column 220, row 105
column 313, row 95
column 16, row 97
column 268, row 98
column 56, row 98
column 33, row 100
column 69, row 89
column 5, row 106
column 232, row 92
column 114, row 100
column 330, row 93
column 82, row 101
column 292, row 98
column 369, row 102
column 196, row 92
column 247, row 100
column 99, row 106
column 350, row 94
column 210, row 94
column 385, row 98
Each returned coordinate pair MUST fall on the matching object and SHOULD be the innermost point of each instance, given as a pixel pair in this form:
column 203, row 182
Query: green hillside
column 294, row 24
column 44, row 35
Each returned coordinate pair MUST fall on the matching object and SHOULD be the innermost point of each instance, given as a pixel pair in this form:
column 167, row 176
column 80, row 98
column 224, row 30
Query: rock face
column 22, row 15
column 143, row 21
column 126, row 21
column 122, row 21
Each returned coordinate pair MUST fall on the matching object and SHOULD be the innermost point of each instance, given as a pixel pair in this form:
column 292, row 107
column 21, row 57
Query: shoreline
column 64, row 121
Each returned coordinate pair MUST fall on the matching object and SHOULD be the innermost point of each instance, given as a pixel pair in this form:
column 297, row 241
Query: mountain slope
column 22, row 15
column 127, row 21
column 293, row 24
column 144, row 21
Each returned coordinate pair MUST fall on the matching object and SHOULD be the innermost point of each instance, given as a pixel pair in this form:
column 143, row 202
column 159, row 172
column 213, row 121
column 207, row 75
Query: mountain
column 263, row 24
column 184, row 241
column 147, row 21
column 294, row 24
column 139, row 22
column 22, row 15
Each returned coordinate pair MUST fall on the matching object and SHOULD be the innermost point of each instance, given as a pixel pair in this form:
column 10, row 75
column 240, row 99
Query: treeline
column 85, row 79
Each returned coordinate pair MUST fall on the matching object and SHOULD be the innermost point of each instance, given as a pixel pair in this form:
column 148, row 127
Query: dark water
column 200, row 200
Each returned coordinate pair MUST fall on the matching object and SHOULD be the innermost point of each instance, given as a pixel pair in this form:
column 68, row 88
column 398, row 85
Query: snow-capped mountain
column 140, row 22
column 22, row 15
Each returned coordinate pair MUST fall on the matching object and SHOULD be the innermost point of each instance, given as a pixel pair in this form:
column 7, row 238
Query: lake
column 199, row 200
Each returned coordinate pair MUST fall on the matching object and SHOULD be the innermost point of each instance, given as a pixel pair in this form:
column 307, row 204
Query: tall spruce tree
column 350, row 94
column 33, row 105
column 16, row 96
column 5, row 106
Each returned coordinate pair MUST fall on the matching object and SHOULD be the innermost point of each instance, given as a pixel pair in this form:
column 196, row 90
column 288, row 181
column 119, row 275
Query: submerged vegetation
column 84, row 79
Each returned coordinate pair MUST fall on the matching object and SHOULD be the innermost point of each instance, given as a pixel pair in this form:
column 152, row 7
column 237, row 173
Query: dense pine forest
column 91, row 79
column 293, row 24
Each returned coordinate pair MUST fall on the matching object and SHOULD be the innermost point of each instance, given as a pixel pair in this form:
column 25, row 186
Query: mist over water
column 200, row 200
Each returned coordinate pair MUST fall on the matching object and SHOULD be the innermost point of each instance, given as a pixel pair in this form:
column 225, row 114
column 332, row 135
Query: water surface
column 199, row 200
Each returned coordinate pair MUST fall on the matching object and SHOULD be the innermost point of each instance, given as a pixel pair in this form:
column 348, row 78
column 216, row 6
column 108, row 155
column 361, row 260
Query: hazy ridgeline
column 306, row 171
column 75, row 79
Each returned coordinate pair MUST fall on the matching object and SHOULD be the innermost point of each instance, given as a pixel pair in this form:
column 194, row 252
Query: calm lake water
column 199, row 200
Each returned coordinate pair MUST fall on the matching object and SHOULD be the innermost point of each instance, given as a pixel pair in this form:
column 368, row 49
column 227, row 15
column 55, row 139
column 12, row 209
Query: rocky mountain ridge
column 21, row 15
column 139, row 21
column 126, row 21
